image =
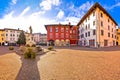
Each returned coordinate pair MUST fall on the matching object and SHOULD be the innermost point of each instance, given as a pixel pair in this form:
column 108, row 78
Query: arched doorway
column 2, row 43
column 67, row 42
column 117, row 43
column 51, row 42
column 62, row 42
column 57, row 42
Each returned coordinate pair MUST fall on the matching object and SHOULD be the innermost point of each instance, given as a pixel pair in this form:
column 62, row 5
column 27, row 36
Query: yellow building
column 118, row 37
column 2, row 36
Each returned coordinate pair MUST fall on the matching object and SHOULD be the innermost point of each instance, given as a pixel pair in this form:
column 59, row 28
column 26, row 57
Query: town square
column 59, row 40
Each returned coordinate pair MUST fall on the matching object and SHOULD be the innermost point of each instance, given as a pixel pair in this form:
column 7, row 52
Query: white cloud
column 85, row 6
column 47, row 4
column 14, row 1
column 37, row 20
column 23, row 22
column 81, row 10
column 60, row 14
column 72, row 20
column 25, row 11
column 113, row 6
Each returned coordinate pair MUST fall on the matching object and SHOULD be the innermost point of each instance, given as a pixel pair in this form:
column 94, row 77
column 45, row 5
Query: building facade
column 2, row 37
column 36, row 37
column 74, row 35
column 43, row 39
column 118, row 36
column 11, row 36
column 40, row 38
column 59, row 34
column 97, row 28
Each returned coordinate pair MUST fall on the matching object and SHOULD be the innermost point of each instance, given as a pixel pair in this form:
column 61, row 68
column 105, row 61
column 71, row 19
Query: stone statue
column 30, row 28
column 29, row 38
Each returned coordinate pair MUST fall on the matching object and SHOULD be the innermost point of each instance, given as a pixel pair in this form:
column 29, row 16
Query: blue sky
column 23, row 13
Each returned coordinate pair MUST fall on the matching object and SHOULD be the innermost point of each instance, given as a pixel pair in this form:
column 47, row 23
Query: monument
column 29, row 38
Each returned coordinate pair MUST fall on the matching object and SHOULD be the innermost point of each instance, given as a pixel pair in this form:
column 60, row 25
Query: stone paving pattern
column 63, row 64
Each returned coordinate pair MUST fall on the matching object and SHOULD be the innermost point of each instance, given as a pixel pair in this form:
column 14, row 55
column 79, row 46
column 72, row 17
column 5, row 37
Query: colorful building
column 118, row 37
column 2, row 37
column 11, row 36
column 40, row 38
column 59, row 34
column 74, row 35
column 97, row 28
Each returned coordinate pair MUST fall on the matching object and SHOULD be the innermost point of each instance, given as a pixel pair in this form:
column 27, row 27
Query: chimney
column 69, row 23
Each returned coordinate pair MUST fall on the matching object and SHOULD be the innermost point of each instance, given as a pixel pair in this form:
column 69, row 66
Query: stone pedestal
column 29, row 40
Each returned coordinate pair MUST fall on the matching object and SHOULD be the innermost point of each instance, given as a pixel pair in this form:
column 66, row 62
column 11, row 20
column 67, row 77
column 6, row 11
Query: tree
column 21, row 39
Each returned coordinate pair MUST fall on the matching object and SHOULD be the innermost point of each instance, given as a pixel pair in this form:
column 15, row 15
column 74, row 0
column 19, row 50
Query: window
column 115, row 36
column 102, row 32
column 62, row 35
column 93, row 23
column 108, row 27
column 112, row 35
column 108, row 20
column 51, row 35
column 10, row 34
column 91, row 42
column 88, row 26
column 101, row 15
column 112, row 29
column 56, row 35
column 88, row 33
column 94, row 32
column 6, row 34
column 56, row 29
column 13, row 34
column 67, row 35
column 50, row 29
column 67, row 29
column 82, row 35
column 62, row 29
column 85, row 34
column 2, row 39
column 101, row 23
column 94, row 13
column 108, row 34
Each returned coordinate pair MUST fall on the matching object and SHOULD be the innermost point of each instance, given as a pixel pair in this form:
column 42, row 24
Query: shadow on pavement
column 29, row 69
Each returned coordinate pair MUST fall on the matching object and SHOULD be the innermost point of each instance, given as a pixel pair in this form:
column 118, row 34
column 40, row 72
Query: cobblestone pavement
column 9, row 66
column 66, row 64
column 63, row 64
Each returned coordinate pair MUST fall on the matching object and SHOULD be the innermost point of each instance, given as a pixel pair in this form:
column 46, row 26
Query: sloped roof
column 54, row 25
column 96, row 5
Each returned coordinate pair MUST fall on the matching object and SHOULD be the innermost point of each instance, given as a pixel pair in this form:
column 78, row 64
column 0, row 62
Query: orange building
column 118, row 37
column 97, row 28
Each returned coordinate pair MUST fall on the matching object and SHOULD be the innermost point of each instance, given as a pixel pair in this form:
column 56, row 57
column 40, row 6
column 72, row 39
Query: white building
column 11, row 35
column 97, row 28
